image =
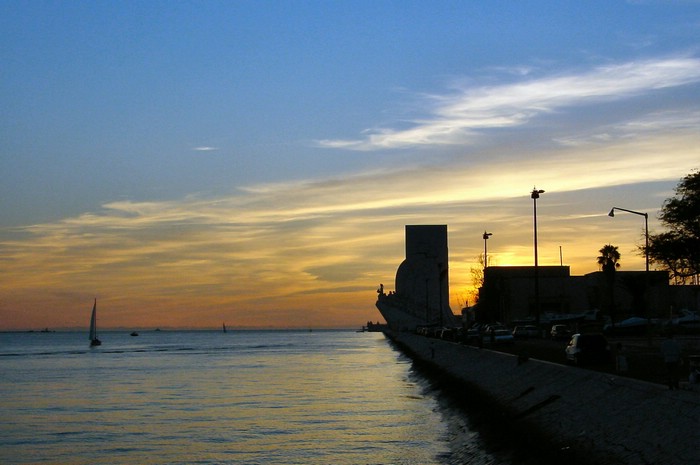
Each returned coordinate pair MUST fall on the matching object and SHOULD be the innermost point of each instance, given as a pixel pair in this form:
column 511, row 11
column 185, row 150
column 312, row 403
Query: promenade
column 589, row 417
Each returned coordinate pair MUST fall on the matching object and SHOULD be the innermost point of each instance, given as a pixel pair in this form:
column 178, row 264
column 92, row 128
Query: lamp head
column 486, row 235
column 612, row 212
column 535, row 194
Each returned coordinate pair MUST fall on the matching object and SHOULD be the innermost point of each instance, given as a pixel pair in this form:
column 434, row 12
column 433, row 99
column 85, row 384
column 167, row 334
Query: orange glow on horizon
column 250, row 262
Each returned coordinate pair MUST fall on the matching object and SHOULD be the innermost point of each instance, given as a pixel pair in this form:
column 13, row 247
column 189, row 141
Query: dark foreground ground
column 643, row 356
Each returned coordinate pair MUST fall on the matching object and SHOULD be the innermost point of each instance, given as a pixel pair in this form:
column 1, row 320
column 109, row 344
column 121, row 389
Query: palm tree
column 609, row 256
column 608, row 262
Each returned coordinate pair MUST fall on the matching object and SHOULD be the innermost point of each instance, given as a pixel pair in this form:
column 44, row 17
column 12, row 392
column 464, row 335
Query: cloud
column 205, row 148
column 460, row 117
column 659, row 122
column 271, row 246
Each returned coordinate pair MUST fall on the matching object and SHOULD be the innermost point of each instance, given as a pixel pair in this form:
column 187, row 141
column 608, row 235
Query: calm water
column 242, row 397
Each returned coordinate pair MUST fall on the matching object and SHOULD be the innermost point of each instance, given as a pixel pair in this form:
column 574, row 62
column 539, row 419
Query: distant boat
column 134, row 334
column 93, row 327
column 224, row 326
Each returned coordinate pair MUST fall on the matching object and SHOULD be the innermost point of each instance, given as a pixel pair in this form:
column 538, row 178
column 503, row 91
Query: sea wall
column 593, row 417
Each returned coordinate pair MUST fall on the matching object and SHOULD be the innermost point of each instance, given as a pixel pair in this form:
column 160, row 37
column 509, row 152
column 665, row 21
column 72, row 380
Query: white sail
column 93, row 326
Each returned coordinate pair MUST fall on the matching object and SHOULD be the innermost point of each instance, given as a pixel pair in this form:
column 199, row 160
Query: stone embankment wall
column 597, row 417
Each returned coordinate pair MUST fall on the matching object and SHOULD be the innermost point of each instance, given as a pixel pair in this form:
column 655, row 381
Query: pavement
column 587, row 415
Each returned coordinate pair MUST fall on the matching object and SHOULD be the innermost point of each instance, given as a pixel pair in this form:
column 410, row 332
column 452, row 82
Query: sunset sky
column 255, row 162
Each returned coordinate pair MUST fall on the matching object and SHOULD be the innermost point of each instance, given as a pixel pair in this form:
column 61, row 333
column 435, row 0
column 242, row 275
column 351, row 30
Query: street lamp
column 646, row 229
column 441, row 276
column 534, row 195
column 486, row 238
column 646, row 255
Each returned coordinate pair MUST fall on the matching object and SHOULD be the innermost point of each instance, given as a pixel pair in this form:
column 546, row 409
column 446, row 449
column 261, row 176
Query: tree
column 608, row 259
column 608, row 262
column 678, row 249
column 477, row 273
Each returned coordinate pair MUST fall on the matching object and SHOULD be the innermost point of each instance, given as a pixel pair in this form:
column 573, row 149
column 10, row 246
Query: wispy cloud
column 205, row 148
column 459, row 117
column 645, row 126
column 319, row 246
column 284, row 234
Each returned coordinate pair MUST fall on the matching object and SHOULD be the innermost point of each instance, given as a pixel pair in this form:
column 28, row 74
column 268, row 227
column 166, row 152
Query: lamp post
column 646, row 256
column 441, row 276
column 534, row 195
column 486, row 238
column 646, row 229
column 427, row 303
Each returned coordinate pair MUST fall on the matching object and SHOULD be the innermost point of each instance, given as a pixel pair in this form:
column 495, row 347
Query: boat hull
column 397, row 318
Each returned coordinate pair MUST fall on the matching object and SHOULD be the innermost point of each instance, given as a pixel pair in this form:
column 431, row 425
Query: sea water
column 209, row 397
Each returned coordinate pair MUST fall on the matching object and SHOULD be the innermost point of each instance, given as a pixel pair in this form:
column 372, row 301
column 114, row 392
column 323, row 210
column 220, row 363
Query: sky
column 255, row 162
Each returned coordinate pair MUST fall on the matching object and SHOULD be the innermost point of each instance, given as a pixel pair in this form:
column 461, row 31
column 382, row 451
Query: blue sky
column 263, row 157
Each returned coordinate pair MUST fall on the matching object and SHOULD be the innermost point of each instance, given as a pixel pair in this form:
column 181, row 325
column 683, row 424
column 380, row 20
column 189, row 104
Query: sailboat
column 93, row 327
column 224, row 326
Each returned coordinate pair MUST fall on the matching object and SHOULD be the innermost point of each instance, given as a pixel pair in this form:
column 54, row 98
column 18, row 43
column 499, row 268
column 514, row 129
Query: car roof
column 590, row 335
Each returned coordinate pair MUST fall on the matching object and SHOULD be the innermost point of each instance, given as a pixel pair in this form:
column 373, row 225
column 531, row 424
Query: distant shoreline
column 165, row 328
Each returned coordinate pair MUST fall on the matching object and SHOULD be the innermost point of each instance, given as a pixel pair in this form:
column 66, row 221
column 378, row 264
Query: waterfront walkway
column 596, row 417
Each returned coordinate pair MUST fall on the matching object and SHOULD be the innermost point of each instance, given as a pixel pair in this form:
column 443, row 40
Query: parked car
column 527, row 331
column 560, row 332
column 686, row 322
column 498, row 336
column 494, row 326
column 631, row 326
column 473, row 334
column 584, row 349
column 451, row 334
